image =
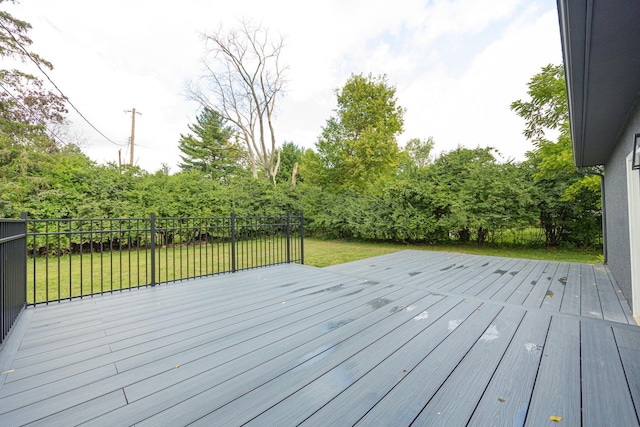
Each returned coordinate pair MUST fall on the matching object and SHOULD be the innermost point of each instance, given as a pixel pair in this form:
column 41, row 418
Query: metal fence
column 74, row 258
column 13, row 270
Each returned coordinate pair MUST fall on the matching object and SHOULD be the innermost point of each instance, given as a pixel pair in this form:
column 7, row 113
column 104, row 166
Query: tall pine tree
column 210, row 148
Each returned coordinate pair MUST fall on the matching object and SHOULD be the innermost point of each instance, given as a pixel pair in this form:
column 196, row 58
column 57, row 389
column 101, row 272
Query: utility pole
column 133, row 130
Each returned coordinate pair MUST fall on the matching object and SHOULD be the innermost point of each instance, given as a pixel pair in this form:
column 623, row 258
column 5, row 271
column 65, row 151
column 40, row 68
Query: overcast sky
column 457, row 64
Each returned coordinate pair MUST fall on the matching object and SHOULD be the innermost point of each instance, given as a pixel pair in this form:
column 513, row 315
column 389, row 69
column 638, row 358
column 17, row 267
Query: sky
column 456, row 64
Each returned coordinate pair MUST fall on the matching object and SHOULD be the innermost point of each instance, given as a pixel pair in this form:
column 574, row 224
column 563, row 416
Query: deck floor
column 411, row 338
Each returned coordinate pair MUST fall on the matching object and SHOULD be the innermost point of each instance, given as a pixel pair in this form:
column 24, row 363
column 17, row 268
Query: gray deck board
column 611, row 307
column 506, row 399
column 465, row 276
column 28, row 396
column 287, row 338
column 325, row 377
column 83, row 412
column 147, row 311
column 507, row 282
column 556, row 391
column 603, row 399
column 631, row 365
column 254, row 369
column 540, row 290
column 463, row 389
column 411, row 337
column 404, row 402
column 571, row 297
column 354, row 402
column 626, row 305
column 518, row 288
column 589, row 297
column 159, row 347
column 162, row 318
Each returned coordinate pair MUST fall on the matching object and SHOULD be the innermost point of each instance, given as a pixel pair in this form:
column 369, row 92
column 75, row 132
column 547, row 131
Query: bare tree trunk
column 294, row 175
column 243, row 82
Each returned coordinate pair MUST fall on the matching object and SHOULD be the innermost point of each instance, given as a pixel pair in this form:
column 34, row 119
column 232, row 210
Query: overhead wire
column 24, row 107
column 149, row 148
column 57, row 88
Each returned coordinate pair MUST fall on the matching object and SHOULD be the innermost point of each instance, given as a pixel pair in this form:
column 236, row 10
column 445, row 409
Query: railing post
column 153, row 249
column 233, row 242
column 301, row 238
column 25, row 259
column 288, row 231
column 25, row 217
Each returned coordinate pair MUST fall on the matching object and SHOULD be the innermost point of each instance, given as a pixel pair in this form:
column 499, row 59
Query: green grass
column 322, row 253
column 75, row 275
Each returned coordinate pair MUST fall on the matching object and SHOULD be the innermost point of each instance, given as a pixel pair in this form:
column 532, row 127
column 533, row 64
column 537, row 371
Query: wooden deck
column 412, row 338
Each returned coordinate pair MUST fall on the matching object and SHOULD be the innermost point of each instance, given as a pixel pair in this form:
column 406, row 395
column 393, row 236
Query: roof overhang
column 601, row 48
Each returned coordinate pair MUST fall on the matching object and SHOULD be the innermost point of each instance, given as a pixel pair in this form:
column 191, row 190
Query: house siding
column 617, row 206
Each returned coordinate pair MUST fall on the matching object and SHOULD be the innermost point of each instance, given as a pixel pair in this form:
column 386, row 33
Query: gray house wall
column 616, row 200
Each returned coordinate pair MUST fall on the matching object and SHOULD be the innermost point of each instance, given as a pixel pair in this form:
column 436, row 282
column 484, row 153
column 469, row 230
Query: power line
column 24, row 107
column 149, row 148
column 56, row 86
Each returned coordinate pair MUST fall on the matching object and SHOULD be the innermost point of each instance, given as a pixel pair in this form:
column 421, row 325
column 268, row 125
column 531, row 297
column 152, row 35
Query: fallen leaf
column 500, row 399
column 555, row 418
column 284, row 302
column 9, row 371
column 177, row 366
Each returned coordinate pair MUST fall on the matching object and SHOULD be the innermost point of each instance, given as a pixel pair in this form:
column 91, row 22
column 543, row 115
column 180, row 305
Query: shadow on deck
column 411, row 338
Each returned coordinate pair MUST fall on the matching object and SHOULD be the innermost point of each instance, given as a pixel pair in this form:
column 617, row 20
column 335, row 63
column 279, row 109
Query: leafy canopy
column 26, row 107
column 568, row 202
column 547, row 110
column 358, row 146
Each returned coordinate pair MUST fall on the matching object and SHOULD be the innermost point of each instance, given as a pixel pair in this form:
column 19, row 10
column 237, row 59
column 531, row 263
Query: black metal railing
column 74, row 258
column 13, row 270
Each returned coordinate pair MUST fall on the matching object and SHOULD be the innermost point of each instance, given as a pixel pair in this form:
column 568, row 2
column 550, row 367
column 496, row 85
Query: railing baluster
column 70, row 260
column 237, row 243
column 233, row 242
column 153, row 249
column 288, row 230
column 301, row 232
column 91, row 252
column 101, row 255
column 59, row 250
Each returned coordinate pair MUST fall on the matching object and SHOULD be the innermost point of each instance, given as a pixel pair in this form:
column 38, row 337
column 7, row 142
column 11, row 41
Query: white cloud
column 457, row 64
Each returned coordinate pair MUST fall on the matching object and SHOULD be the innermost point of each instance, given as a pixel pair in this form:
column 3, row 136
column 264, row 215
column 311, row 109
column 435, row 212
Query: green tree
column 290, row 158
column 28, row 116
column 246, row 78
column 358, row 145
column 417, row 153
column 568, row 202
column 209, row 148
column 26, row 107
column 475, row 195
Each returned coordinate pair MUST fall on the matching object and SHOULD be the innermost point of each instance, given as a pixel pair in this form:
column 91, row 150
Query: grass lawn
column 322, row 253
column 75, row 275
